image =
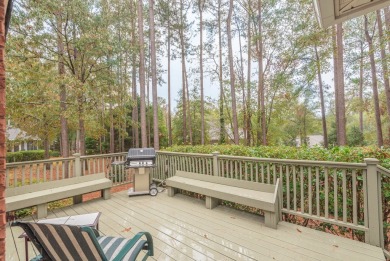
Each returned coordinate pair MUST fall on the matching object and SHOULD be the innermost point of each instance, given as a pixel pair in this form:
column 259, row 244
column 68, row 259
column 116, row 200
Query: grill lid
column 141, row 157
column 141, row 153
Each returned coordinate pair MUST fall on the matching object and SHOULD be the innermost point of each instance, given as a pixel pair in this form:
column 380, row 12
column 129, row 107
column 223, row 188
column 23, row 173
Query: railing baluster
column 57, row 170
column 51, row 171
column 38, row 173
column 309, row 191
column 262, row 173
column 336, row 214
column 365, row 196
column 240, row 168
column 204, row 166
column 268, row 174
column 257, row 172
column 31, row 174
column 246, row 170
column 230, row 173
column 326, row 194
column 344, row 196
column 94, row 166
column 23, row 175
column 288, row 186
column 44, row 172
column 302, row 192
column 251, row 172
column 235, row 169
column 295, row 187
column 63, row 171
column 281, row 180
column 274, row 173
column 354, row 198
column 318, row 191
column 7, row 177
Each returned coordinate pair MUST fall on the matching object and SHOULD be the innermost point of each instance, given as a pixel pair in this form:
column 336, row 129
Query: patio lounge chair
column 63, row 242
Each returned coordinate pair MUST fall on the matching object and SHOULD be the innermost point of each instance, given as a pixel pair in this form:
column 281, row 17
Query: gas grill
column 141, row 160
column 137, row 158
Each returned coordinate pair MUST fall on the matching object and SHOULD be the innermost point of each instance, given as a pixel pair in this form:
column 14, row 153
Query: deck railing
column 338, row 193
column 30, row 172
column 343, row 194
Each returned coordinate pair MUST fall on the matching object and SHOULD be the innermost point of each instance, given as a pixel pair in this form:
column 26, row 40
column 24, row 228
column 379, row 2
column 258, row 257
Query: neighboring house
column 214, row 131
column 18, row 140
column 312, row 140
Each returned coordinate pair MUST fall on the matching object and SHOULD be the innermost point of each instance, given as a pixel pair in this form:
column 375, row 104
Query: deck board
column 183, row 229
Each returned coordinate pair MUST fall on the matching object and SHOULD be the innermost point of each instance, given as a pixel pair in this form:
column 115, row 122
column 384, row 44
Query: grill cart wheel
column 153, row 191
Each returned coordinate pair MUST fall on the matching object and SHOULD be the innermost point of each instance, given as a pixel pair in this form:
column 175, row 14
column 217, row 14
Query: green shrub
column 340, row 154
column 29, row 155
column 55, row 154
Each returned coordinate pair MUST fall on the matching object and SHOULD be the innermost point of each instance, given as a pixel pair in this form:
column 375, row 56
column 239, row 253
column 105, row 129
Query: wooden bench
column 258, row 195
column 42, row 193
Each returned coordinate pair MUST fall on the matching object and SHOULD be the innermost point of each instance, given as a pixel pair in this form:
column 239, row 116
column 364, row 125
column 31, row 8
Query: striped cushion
column 113, row 245
column 63, row 242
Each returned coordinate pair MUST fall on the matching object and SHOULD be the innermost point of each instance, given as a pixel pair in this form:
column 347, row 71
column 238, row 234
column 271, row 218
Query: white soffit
column 330, row 12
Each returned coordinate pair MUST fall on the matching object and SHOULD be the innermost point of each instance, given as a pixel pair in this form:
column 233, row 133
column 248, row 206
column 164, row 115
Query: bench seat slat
column 252, row 198
column 262, row 196
column 42, row 193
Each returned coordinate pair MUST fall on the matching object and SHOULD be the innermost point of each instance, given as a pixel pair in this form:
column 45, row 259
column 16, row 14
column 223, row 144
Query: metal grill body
column 143, row 157
column 141, row 160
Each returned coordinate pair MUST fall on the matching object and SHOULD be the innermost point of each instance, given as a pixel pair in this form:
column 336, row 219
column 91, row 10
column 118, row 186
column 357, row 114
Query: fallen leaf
column 127, row 229
column 299, row 230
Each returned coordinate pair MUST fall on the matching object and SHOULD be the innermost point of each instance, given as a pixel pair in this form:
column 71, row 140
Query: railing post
column 373, row 201
column 215, row 163
column 77, row 165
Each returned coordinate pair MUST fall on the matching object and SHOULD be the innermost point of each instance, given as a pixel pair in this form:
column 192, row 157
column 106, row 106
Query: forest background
column 88, row 76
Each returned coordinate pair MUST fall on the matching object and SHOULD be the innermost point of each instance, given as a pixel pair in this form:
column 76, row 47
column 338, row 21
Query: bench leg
column 106, row 193
column 78, row 199
column 212, row 202
column 42, row 210
column 271, row 219
column 171, row 191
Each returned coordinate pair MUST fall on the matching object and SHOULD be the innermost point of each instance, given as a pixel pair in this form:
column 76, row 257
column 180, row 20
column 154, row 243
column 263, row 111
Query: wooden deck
column 183, row 229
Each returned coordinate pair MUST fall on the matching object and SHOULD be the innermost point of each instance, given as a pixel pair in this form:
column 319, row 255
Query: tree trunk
column 361, row 83
column 323, row 113
column 201, row 6
column 341, row 131
column 112, row 133
column 142, row 73
column 82, row 135
column 232, row 76
column 387, row 22
column 242, row 83
column 188, row 109
column 134, row 112
column 221, row 93
column 335, row 80
column 261, row 114
column 148, row 124
column 156, row 141
column 374, row 84
column 61, row 72
column 183, row 74
column 248, row 95
column 384, row 63
column 63, row 107
column 169, row 80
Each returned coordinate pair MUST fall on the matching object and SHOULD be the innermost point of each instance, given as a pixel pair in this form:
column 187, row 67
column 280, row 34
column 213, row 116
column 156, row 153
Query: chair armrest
column 130, row 244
